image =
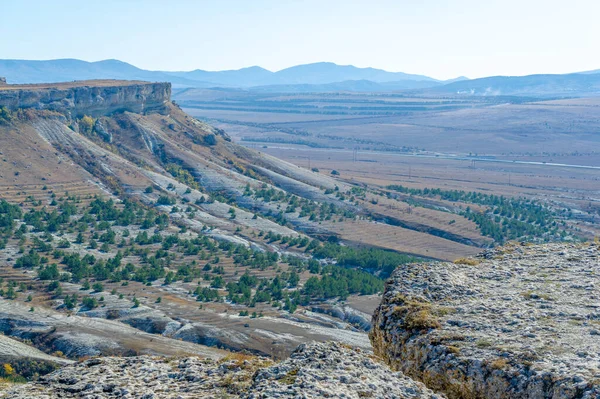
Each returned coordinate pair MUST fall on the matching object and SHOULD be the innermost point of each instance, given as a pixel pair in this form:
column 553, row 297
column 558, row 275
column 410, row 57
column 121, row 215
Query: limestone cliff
column 517, row 322
column 94, row 98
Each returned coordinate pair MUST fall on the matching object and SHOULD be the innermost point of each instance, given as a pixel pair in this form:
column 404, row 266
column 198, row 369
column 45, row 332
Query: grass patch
column 467, row 261
column 290, row 377
column 239, row 359
column 499, row 364
column 414, row 314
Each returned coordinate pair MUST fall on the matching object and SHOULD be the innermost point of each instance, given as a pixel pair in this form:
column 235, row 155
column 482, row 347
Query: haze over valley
column 299, row 200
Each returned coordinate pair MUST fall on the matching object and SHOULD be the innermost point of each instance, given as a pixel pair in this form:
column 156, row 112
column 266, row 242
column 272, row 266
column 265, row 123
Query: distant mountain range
column 317, row 77
column 568, row 85
column 311, row 74
column 322, row 73
column 65, row 70
column 348, row 85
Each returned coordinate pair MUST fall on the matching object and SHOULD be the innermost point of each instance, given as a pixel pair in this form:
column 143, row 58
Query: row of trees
column 505, row 218
column 377, row 261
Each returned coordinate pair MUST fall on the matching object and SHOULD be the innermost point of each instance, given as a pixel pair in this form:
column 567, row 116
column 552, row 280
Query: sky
column 438, row 38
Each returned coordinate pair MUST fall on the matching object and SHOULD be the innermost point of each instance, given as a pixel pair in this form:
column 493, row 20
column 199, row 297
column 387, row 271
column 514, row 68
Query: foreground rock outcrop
column 516, row 322
column 313, row 371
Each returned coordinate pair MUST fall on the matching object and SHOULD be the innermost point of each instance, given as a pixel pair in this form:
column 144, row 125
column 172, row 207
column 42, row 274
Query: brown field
column 473, row 148
column 501, row 127
column 559, row 186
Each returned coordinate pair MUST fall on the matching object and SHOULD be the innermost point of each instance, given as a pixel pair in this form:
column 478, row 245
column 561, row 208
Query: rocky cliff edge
column 517, row 322
column 93, row 98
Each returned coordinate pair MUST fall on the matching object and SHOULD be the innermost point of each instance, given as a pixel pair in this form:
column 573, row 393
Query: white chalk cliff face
column 518, row 322
column 94, row 100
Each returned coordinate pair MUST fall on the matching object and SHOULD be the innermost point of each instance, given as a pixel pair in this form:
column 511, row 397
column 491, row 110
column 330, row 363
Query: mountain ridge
column 315, row 77
column 547, row 85
column 35, row 71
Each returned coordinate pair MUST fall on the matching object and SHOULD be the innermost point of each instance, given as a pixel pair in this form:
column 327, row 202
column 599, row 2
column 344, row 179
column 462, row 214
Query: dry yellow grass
column 5, row 384
column 467, row 261
column 499, row 364
column 239, row 358
column 415, row 314
column 364, row 232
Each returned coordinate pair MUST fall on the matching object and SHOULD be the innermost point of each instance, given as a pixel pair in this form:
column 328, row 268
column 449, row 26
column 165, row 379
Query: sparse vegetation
column 414, row 314
column 86, row 124
column 504, row 219
column 5, row 115
column 152, row 241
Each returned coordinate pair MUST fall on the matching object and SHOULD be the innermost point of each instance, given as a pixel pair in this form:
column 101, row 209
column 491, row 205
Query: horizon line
column 279, row 70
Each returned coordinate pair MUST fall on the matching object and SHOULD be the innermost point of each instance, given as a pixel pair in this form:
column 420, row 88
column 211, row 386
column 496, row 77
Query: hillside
column 516, row 322
column 164, row 147
column 11, row 350
column 124, row 147
column 568, row 85
column 129, row 227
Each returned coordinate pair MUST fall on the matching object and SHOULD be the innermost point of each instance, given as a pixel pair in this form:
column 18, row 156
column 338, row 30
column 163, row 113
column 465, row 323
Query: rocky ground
column 320, row 370
column 79, row 336
column 176, row 329
column 517, row 322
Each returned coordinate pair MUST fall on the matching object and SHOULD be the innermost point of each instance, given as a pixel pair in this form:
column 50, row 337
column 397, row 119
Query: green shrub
column 89, row 302
column 210, row 139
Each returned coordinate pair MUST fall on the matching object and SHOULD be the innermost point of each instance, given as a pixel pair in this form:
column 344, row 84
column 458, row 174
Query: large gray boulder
column 520, row 321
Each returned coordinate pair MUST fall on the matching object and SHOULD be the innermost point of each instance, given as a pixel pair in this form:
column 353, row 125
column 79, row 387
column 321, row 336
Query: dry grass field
column 548, row 151
column 483, row 126
column 576, row 188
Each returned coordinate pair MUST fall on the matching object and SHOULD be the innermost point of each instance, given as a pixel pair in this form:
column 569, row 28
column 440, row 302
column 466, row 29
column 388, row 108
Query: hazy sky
column 442, row 39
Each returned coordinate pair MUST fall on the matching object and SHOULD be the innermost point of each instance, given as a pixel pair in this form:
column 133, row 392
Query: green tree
column 89, row 302
column 86, row 124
